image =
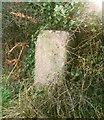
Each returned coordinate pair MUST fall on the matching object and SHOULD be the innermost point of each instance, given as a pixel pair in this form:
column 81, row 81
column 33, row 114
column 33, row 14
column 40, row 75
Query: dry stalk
column 16, row 62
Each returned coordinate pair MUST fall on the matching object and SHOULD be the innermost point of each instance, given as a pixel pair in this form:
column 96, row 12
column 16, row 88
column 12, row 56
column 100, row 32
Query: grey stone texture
column 50, row 57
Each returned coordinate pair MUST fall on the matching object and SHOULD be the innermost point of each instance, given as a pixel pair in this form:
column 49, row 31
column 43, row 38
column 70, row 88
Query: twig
column 16, row 63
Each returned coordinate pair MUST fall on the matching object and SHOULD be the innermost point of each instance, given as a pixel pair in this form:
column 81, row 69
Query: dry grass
column 81, row 93
column 78, row 96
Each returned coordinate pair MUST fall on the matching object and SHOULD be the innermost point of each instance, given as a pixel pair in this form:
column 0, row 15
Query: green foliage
column 80, row 95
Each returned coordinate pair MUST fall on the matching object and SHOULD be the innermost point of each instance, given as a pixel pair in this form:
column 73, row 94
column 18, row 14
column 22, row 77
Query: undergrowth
column 80, row 94
column 79, row 97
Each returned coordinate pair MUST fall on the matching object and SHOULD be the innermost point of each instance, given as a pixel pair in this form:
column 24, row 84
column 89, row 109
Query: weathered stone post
column 50, row 57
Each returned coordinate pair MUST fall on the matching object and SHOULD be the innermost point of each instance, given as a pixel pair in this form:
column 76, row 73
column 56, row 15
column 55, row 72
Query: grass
column 79, row 96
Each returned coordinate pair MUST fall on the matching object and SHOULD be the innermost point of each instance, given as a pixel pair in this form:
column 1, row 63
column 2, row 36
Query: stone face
column 50, row 56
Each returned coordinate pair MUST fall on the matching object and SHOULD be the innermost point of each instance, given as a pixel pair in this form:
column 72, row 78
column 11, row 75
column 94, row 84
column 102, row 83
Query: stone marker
column 50, row 56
